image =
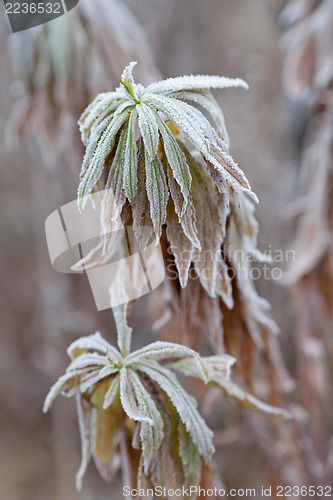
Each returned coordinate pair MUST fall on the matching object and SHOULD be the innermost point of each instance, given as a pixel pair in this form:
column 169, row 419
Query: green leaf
column 249, row 401
column 95, row 156
column 166, row 350
column 131, row 158
column 175, row 157
column 112, row 392
column 127, row 81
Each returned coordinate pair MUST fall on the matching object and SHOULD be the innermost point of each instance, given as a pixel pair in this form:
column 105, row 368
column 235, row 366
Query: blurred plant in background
column 308, row 79
column 98, row 39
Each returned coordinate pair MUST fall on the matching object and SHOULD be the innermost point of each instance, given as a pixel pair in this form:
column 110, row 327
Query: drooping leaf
column 157, row 192
column 218, row 367
column 84, row 419
column 181, row 247
column 93, row 162
column 185, row 405
column 131, row 158
column 114, row 195
column 148, row 128
column 104, row 435
column 151, row 434
column 166, row 350
column 112, row 392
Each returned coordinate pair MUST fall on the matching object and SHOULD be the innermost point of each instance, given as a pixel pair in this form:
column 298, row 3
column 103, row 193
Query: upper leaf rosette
column 108, row 130
column 148, row 146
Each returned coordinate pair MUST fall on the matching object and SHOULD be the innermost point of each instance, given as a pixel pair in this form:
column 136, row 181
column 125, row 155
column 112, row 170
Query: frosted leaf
column 93, row 342
column 92, row 144
column 188, row 119
column 184, row 404
column 151, row 434
column 205, row 99
column 218, row 367
column 181, row 247
column 208, row 207
column 194, row 82
column 188, row 223
column 87, row 360
column 176, row 158
column 166, row 350
column 127, row 81
column 157, row 192
column 112, row 392
column 101, row 253
column 124, row 332
column 84, row 426
column 148, row 128
column 58, row 386
column 102, row 106
column 142, row 223
column 225, row 165
column 104, row 147
column 108, row 369
column 114, row 195
column 177, row 196
column 131, row 159
column 189, row 455
column 128, row 399
column 92, row 378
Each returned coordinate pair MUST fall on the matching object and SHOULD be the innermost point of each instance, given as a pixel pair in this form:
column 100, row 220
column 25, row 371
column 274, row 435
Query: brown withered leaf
column 181, row 247
column 142, row 223
column 105, row 432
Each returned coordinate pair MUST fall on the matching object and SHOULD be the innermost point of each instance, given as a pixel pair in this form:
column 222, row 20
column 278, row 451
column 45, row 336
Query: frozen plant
column 134, row 413
column 166, row 168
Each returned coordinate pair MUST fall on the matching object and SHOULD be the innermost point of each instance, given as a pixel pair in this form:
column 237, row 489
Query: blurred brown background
column 43, row 311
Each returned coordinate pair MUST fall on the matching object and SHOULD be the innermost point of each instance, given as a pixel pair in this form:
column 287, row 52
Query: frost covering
column 107, row 382
column 156, row 152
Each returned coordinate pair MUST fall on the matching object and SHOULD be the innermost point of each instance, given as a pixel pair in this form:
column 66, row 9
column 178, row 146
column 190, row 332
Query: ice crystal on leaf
column 156, row 108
